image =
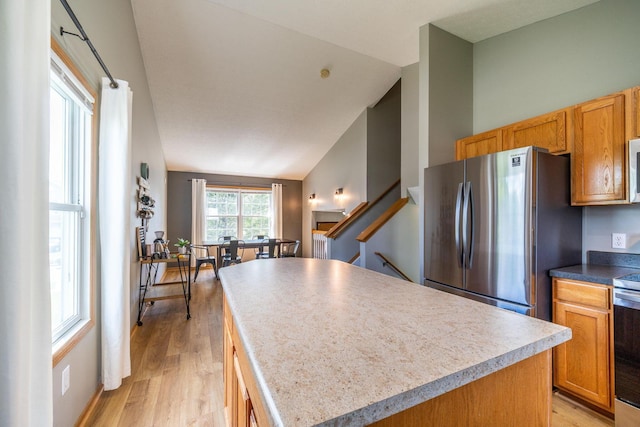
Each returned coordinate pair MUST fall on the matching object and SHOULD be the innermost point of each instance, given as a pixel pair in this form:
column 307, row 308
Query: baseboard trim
column 91, row 406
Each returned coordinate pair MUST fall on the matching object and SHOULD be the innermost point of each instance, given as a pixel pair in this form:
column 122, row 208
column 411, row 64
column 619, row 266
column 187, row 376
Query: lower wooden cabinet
column 242, row 404
column 583, row 366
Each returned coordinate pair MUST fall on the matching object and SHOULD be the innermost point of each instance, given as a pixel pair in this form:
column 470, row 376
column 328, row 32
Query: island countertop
column 334, row 344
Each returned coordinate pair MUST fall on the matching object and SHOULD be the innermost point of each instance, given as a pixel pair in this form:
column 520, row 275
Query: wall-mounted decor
column 144, row 170
column 145, row 201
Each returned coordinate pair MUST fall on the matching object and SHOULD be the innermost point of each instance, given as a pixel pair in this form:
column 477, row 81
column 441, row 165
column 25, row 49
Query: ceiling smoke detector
column 325, row 73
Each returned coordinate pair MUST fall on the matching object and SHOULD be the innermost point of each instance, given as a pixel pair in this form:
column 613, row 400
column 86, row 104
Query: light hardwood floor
column 177, row 370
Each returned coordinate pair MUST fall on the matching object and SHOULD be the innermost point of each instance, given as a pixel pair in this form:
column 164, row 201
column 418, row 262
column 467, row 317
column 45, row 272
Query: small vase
column 182, row 250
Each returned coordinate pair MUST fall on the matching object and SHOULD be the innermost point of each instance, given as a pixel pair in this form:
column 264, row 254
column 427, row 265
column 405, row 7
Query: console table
column 150, row 291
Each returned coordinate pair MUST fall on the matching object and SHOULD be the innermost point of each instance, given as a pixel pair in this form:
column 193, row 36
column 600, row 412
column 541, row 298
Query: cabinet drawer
column 582, row 293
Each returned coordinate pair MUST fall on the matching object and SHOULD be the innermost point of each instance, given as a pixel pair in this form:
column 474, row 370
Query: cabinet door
column 550, row 131
column 480, row 144
column 227, row 349
column 243, row 404
column 598, row 160
column 582, row 363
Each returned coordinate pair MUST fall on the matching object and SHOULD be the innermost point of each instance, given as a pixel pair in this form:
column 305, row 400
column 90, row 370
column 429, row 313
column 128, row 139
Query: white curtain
column 198, row 204
column 25, row 303
column 114, row 204
column 276, row 210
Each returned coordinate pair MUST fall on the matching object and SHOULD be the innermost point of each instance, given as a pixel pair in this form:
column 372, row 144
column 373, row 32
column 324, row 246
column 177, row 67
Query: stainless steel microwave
column 633, row 168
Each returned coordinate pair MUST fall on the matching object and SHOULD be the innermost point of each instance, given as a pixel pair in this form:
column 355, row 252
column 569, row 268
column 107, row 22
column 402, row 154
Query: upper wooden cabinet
column 598, row 160
column 480, row 144
column 635, row 107
column 595, row 133
column 551, row 131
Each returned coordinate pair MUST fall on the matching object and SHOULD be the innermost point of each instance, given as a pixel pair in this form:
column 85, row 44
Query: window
column 71, row 110
column 242, row 213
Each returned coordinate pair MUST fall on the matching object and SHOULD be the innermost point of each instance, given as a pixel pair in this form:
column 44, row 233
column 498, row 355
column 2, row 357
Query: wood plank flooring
column 177, row 370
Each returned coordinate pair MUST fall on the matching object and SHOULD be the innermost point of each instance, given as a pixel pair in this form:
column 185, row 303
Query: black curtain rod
column 83, row 36
column 237, row 184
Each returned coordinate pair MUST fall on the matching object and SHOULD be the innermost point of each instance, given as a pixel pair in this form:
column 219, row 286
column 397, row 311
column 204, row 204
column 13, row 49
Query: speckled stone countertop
column 601, row 267
column 334, row 344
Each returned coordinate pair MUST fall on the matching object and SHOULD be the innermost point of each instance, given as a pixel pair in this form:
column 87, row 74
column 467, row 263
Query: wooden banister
column 347, row 220
column 354, row 258
column 386, row 262
column 382, row 219
column 357, row 212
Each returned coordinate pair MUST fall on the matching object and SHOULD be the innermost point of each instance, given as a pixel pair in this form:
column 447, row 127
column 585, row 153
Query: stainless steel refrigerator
column 496, row 224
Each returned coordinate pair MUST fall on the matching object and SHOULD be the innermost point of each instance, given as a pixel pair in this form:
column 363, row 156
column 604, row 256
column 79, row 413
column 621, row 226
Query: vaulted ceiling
column 236, row 84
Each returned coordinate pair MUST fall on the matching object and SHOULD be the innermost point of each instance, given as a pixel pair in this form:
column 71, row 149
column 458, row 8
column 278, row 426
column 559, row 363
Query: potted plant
column 182, row 246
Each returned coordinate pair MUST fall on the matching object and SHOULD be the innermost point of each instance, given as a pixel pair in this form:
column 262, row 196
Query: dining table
column 245, row 244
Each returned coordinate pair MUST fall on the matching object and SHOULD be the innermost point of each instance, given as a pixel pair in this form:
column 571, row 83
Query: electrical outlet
column 65, row 380
column 618, row 240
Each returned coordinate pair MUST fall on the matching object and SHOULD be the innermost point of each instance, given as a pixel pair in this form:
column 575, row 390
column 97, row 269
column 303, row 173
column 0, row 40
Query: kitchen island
column 312, row 342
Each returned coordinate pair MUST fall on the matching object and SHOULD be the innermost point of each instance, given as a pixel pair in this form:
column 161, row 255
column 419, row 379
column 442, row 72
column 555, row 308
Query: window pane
column 255, row 226
column 58, row 148
column 63, row 268
column 222, row 203
column 221, row 226
column 256, row 204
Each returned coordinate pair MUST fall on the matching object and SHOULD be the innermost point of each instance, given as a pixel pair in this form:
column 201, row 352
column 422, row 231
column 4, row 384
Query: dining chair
column 289, row 249
column 260, row 249
column 272, row 249
column 233, row 251
column 207, row 258
column 225, row 239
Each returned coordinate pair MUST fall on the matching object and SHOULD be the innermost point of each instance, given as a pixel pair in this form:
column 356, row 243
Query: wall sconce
column 339, row 192
column 312, row 197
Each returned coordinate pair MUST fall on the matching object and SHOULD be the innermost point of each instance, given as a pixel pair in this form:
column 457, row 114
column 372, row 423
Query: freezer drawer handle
column 459, row 252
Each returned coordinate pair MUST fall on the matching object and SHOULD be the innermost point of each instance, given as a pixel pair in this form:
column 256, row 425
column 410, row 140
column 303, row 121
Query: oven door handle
column 631, row 296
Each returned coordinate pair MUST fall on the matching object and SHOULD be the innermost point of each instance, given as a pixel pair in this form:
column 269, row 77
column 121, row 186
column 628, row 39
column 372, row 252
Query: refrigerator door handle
column 467, row 231
column 457, row 224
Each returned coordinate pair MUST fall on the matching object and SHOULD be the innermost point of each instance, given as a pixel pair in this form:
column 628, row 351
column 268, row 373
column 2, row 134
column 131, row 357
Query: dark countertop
column 603, row 274
column 602, row 267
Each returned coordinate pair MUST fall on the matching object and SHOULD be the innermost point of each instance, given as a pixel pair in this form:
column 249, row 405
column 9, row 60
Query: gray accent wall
column 556, row 63
column 383, row 142
column 450, row 93
column 409, row 159
column 179, row 201
column 111, row 27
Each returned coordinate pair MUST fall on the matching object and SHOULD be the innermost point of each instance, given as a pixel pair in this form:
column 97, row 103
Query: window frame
column 88, row 260
column 239, row 217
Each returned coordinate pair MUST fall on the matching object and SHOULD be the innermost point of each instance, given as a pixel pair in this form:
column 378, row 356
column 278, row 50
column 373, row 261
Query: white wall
column 110, row 26
column 556, row 63
column 344, row 166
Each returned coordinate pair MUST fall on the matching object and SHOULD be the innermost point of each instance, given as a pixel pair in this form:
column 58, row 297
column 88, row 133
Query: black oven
column 626, row 321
